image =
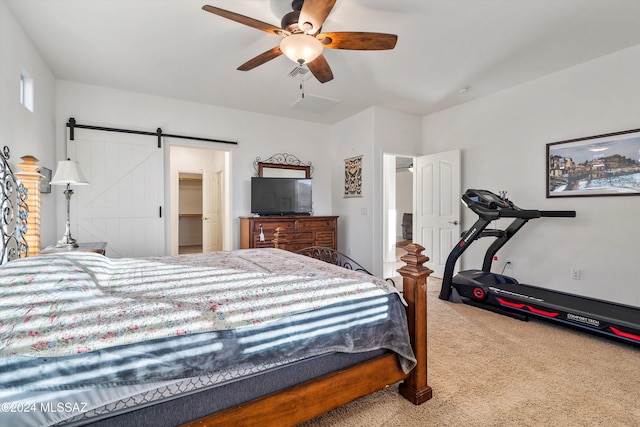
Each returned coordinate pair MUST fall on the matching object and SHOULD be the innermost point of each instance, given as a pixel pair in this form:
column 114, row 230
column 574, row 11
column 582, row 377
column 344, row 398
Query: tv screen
column 281, row 196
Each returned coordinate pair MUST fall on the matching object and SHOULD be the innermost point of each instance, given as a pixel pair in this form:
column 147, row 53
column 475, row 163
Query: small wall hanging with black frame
column 353, row 177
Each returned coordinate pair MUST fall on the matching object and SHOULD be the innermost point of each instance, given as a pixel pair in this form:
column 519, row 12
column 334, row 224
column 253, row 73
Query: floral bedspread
column 60, row 305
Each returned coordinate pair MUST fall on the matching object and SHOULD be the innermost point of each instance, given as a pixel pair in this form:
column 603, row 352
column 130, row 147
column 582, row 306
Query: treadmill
column 503, row 294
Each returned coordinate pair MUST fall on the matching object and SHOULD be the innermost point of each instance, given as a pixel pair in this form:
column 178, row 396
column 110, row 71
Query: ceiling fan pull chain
column 302, row 85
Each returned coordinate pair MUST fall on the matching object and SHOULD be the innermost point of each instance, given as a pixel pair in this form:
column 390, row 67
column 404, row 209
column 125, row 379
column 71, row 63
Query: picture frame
column 45, row 181
column 600, row 165
column 353, row 177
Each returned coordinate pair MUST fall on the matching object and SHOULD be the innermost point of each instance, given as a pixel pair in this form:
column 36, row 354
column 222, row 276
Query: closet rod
column 72, row 125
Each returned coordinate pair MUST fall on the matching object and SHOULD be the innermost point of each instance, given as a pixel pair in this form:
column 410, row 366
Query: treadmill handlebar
column 557, row 214
column 491, row 206
column 494, row 211
column 520, row 213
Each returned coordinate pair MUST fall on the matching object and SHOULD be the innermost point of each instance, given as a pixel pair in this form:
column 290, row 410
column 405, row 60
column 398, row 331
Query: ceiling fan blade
column 319, row 67
column 253, row 23
column 314, row 12
column 358, row 40
column 261, row 59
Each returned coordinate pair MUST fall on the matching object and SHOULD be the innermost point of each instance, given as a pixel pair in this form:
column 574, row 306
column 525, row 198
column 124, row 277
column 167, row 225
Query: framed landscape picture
column 601, row 165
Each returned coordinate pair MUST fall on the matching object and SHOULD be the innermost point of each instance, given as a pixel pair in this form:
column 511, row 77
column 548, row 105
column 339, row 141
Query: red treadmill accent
column 510, row 304
column 542, row 312
column 624, row 334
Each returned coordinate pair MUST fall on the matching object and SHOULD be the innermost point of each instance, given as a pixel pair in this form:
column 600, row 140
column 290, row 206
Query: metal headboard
column 14, row 213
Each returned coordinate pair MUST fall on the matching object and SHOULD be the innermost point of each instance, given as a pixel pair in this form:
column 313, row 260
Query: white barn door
column 122, row 204
column 437, row 205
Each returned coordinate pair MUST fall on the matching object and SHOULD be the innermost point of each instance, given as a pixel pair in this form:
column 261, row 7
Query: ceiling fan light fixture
column 301, row 48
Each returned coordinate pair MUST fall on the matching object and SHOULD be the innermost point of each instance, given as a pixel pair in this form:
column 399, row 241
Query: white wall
column 354, row 137
column 23, row 131
column 370, row 133
column 258, row 135
column 503, row 140
column 394, row 133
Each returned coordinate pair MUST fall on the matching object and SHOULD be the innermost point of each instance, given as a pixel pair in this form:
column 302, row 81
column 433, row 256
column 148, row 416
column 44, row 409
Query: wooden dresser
column 301, row 231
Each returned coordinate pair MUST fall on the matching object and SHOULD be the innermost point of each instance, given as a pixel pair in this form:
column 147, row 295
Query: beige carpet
column 490, row 370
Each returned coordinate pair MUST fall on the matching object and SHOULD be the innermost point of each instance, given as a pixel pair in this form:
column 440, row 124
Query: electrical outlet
column 575, row 273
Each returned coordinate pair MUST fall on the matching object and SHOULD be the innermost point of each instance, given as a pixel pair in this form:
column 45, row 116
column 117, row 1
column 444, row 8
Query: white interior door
column 122, row 205
column 211, row 222
column 437, row 206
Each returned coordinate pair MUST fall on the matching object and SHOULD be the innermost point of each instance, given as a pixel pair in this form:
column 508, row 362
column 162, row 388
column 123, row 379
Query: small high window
column 26, row 90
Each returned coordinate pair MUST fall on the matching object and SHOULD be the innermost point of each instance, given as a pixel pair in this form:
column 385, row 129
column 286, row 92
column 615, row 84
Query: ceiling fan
column 302, row 41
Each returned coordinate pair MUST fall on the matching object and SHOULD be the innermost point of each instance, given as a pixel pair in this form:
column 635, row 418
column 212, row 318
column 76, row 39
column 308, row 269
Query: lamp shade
column 301, row 48
column 68, row 172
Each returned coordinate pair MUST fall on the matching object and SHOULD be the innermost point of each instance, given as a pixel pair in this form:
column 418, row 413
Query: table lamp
column 68, row 173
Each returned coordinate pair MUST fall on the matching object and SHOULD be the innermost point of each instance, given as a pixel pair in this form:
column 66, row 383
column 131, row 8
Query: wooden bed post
column 30, row 177
column 414, row 285
column 279, row 240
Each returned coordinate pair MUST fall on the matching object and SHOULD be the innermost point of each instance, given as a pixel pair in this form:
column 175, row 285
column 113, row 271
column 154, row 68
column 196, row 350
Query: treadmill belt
column 612, row 312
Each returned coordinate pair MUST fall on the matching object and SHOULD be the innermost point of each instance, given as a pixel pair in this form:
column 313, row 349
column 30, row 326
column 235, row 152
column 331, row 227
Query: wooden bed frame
column 307, row 400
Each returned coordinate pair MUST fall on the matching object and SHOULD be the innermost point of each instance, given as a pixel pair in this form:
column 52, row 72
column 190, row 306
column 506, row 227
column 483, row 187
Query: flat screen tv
column 281, row 196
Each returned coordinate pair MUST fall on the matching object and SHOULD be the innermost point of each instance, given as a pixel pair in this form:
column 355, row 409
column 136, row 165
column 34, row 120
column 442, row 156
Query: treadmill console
column 480, row 201
column 490, row 206
column 487, row 199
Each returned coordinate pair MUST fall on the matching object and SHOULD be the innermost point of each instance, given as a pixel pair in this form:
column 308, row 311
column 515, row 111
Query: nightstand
column 97, row 247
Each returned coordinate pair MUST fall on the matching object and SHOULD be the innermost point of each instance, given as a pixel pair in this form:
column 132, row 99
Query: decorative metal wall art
column 282, row 162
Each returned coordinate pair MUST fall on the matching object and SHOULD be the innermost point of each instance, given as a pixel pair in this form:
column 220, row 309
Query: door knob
column 454, row 222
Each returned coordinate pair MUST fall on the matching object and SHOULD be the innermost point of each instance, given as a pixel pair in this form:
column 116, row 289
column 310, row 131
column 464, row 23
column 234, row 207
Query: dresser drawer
column 293, row 236
column 315, row 223
column 305, row 235
column 272, row 225
column 325, row 238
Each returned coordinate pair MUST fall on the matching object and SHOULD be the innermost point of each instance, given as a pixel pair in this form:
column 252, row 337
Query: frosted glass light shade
column 301, row 48
column 68, row 172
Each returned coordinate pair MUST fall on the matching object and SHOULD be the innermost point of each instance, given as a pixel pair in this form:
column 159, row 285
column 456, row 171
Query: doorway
column 190, row 213
column 199, row 199
column 398, row 210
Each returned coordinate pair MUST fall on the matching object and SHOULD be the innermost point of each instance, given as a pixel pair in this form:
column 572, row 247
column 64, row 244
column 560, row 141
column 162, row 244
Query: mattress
column 270, row 309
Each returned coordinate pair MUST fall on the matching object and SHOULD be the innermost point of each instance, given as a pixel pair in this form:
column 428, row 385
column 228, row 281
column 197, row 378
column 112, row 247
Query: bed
column 247, row 337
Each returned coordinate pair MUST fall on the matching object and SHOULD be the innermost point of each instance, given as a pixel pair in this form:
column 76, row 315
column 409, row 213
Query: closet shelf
column 191, row 215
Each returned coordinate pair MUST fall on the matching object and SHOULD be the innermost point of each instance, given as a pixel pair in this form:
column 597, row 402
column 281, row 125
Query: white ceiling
column 175, row 49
